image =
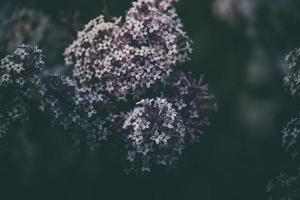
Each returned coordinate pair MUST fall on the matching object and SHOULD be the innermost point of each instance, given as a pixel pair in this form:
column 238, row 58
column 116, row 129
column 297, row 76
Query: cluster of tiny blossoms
column 292, row 79
column 19, row 80
column 120, row 58
column 12, row 115
column 22, row 68
column 155, row 135
column 72, row 110
column 290, row 138
column 113, row 65
column 286, row 185
column 291, row 132
column 193, row 102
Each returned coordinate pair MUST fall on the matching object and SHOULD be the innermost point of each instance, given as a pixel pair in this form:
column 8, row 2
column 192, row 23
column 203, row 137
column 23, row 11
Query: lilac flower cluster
column 155, row 135
column 71, row 109
column 22, row 69
column 121, row 87
column 193, row 102
column 290, row 138
column 286, row 185
column 120, row 58
column 10, row 116
column 19, row 82
column 292, row 79
column 189, row 100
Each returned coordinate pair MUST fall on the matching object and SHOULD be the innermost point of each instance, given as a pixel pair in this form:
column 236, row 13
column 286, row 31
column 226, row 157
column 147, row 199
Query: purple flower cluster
column 291, row 132
column 119, row 58
column 12, row 115
column 155, row 135
column 72, row 110
column 22, row 68
column 286, row 185
column 292, row 79
column 290, row 138
column 121, row 87
column 19, row 82
column 187, row 99
column 193, row 102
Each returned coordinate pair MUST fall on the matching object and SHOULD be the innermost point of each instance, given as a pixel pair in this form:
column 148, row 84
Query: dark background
column 242, row 58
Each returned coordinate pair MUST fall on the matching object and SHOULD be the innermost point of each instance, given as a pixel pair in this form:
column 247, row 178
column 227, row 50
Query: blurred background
column 239, row 45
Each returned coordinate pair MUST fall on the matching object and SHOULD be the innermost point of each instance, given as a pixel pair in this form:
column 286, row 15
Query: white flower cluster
column 156, row 135
column 119, row 58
